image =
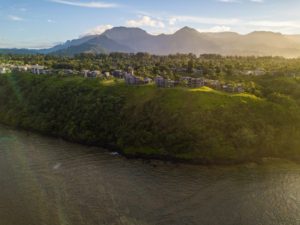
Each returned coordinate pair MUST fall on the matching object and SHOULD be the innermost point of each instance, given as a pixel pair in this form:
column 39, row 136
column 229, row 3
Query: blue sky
column 43, row 23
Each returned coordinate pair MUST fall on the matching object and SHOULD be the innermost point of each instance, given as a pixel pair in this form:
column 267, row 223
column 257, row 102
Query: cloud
column 145, row 21
column 15, row 18
column 86, row 4
column 215, row 29
column 204, row 20
column 172, row 21
column 98, row 30
column 274, row 24
column 50, row 21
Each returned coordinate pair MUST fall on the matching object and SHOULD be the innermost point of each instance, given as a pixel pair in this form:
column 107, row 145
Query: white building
column 85, row 73
column 2, row 70
column 21, row 68
column 37, row 69
column 106, row 74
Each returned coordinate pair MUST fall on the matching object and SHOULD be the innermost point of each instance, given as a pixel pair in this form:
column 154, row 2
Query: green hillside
column 200, row 125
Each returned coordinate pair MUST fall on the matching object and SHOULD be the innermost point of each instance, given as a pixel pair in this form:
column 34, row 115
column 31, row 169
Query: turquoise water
column 46, row 181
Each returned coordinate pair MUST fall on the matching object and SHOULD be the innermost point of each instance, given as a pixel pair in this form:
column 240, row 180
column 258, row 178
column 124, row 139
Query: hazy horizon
column 42, row 24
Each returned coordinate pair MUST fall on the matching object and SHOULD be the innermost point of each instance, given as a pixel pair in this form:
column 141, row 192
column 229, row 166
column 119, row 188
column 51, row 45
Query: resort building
column 37, row 69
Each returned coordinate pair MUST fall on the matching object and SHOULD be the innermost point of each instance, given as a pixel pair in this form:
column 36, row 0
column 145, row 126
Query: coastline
column 177, row 125
column 168, row 159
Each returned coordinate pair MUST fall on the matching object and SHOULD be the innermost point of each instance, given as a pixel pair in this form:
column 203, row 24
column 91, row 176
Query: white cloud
column 15, row 18
column 145, row 21
column 215, row 29
column 274, row 24
column 86, row 4
column 172, row 21
column 98, row 30
column 50, row 21
column 204, row 20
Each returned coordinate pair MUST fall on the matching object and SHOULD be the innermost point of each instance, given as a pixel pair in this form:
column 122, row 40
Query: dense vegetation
column 201, row 125
column 172, row 66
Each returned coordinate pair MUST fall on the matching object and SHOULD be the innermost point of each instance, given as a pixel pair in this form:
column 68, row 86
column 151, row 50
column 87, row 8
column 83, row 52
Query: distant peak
column 265, row 33
column 120, row 29
column 125, row 33
column 187, row 29
column 228, row 32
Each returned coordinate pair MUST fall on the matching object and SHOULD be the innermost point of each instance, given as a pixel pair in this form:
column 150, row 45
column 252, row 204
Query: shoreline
column 163, row 158
column 175, row 125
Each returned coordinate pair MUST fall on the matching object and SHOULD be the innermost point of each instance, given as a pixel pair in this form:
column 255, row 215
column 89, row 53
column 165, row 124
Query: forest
column 171, row 66
column 199, row 125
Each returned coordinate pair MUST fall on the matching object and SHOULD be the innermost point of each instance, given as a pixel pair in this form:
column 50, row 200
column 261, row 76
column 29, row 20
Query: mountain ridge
column 185, row 40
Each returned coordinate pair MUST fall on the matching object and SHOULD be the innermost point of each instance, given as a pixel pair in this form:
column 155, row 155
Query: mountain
column 189, row 40
column 68, row 44
column 261, row 43
column 185, row 40
column 98, row 44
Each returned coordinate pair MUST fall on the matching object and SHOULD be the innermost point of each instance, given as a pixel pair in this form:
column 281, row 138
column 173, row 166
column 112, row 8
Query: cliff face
column 198, row 125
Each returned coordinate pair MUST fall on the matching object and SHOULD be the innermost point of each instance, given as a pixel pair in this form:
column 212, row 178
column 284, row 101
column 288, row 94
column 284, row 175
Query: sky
column 44, row 23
